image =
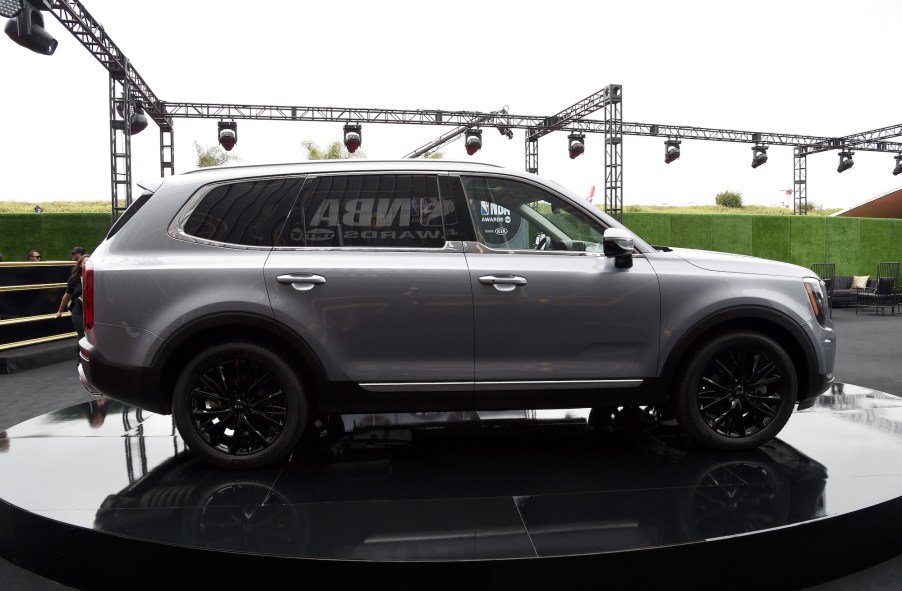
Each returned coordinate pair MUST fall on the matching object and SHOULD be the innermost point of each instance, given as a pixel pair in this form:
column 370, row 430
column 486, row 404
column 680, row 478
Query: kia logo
column 500, row 231
column 320, row 234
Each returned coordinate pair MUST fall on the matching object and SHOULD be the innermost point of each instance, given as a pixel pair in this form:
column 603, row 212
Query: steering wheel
column 543, row 243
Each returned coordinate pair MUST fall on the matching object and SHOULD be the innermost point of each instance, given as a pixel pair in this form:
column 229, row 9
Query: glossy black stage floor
column 105, row 497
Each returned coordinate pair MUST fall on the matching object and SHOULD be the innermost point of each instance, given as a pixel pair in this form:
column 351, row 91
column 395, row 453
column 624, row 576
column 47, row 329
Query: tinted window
column 374, row 210
column 514, row 215
column 251, row 213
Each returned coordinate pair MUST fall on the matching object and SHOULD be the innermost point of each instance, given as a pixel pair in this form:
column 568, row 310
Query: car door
column 552, row 314
column 368, row 275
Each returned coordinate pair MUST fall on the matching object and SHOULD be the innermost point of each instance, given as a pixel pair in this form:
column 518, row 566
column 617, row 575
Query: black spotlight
column 898, row 169
column 10, row 8
column 845, row 161
column 353, row 137
column 671, row 150
column 473, row 141
column 576, row 143
column 228, row 134
column 506, row 131
column 759, row 155
column 138, row 120
column 27, row 28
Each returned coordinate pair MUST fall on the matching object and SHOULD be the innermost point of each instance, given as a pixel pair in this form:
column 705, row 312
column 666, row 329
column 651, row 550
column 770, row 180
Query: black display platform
column 106, row 497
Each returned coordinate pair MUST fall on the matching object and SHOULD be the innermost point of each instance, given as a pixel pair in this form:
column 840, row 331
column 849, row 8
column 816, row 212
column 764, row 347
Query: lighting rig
column 26, row 25
column 576, row 144
column 759, row 155
column 898, row 170
column 27, row 29
column 352, row 137
column 227, row 134
column 473, row 141
column 671, row 150
column 845, row 161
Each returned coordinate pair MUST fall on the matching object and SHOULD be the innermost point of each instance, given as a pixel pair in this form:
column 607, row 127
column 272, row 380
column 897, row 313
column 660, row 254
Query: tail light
column 87, row 295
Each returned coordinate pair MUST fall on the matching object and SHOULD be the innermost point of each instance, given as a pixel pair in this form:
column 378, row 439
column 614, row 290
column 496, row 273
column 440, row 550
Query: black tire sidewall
column 685, row 400
column 297, row 408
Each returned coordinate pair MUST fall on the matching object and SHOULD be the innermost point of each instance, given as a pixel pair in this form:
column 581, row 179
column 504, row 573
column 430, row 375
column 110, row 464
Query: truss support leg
column 532, row 152
column 121, row 109
column 167, row 152
column 613, row 153
column 800, row 184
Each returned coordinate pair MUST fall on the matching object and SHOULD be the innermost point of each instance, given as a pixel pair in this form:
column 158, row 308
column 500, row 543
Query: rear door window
column 375, row 211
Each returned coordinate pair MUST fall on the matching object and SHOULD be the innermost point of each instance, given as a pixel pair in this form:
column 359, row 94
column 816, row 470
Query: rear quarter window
column 249, row 213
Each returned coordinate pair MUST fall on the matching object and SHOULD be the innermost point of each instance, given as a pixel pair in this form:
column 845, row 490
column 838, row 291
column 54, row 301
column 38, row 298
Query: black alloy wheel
column 239, row 405
column 737, row 391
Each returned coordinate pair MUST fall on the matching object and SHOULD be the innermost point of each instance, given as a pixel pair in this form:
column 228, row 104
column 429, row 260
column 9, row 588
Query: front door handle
column 503, row 282
column 301, row 281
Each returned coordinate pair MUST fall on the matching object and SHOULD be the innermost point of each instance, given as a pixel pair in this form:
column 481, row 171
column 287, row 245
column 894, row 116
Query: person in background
column 33, row 256
column 72, row 298
column 77, row 251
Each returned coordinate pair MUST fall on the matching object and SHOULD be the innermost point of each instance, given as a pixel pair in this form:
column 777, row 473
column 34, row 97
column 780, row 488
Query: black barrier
column 30, row 295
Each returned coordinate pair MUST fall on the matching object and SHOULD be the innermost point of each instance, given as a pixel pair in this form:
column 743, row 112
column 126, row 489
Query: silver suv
column 251, row 301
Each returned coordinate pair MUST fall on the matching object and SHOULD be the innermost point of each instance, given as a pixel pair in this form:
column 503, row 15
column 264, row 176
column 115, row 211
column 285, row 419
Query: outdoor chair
column 826, row 271
column 885, row 293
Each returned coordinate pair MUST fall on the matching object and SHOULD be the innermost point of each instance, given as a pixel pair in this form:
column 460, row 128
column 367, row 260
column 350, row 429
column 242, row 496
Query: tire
column 736, row 391
column 240, row 405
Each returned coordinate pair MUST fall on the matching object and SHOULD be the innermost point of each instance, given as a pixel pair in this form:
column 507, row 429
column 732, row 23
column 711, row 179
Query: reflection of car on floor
column 473, row 492
column 249, row 301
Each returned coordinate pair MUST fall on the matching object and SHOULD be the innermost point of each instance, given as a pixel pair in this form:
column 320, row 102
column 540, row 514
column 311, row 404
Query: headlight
column 816, row 290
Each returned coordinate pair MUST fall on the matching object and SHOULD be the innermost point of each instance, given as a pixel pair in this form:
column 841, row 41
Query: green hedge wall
column 856, row 245
column 52, row 234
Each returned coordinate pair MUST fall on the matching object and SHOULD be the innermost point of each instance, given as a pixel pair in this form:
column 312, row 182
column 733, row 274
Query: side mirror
column 618, row 244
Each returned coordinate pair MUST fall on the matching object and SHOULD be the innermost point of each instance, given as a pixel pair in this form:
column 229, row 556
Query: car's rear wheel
column 240, row 405
column 736, row 391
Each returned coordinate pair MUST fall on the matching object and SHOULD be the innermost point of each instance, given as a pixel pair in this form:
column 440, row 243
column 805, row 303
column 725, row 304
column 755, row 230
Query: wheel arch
column 195, row 336
column 782, row 329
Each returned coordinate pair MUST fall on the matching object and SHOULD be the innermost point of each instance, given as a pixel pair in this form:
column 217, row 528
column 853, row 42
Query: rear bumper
column 136, row 386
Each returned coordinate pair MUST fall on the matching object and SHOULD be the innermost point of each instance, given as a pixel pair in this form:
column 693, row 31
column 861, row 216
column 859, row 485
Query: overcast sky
column 806, row 67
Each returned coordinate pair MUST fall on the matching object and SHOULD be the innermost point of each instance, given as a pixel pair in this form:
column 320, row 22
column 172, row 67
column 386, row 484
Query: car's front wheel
column 240, row 405
column 736, row 391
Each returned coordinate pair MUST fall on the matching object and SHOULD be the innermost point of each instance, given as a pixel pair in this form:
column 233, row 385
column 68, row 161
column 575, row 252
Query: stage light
column 473, row 141
column 353, row 138
column 27, row 28
column 671, row 150
column 576, row 143
column 138, row 120
column 10, row 8
column 845, row 161
column 759, row 155
column 228, row 134
column 898, row 169
column 506, row 131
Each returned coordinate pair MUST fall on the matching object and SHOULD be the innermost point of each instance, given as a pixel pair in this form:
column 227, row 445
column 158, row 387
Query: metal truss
column 128, row 88
column 90, row 33
column 800, row 183
column 447, row 138
column 613, row 155
column 121, row 110
column 532, row 153
column 578, row 110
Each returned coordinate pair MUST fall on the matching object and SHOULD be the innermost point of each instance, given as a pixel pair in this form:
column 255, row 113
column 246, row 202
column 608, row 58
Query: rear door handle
column 503, row 282
column 301, row 281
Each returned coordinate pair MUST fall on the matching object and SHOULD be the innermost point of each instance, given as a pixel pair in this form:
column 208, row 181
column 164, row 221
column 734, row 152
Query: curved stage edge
column 103, row 496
